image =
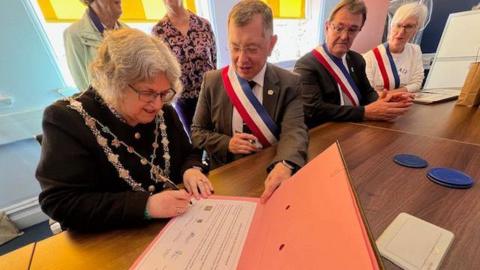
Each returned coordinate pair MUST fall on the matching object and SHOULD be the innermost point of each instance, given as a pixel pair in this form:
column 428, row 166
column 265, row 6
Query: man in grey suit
column 222, row 128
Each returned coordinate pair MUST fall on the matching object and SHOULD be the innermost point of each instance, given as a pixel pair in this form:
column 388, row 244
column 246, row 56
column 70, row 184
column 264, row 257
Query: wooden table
column 18, row 259
column 444, row 120
column 384, row 188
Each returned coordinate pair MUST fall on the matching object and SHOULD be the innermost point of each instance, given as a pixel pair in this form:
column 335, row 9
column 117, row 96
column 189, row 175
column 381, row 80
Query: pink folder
column 312, row 221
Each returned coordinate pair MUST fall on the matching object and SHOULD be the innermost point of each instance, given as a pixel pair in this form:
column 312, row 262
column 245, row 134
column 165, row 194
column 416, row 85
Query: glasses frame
column 339, row 29
column 165, row 95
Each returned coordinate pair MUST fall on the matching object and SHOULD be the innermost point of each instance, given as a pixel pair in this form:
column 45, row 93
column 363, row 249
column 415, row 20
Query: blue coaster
column 447, row 185
column 450, row 178
column 410, row 161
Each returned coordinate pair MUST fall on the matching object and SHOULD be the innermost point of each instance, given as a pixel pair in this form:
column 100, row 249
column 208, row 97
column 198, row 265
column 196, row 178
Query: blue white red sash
column 250, row 109
column 337, row 69
column 387, row 66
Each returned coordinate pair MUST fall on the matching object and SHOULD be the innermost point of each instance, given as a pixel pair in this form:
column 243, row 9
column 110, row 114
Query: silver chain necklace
column 157, row 175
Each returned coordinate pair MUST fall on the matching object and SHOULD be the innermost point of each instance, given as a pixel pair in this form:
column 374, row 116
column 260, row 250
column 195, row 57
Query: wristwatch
column 289, row 165
column 292, row 166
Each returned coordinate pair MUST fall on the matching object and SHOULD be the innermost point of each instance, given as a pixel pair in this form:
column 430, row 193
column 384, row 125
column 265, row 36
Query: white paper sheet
column 210, row 235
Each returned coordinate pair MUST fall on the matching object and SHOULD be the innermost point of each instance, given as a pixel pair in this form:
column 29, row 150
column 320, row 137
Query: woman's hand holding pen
column 242, row 143
column 169, row 203
column 197, row 184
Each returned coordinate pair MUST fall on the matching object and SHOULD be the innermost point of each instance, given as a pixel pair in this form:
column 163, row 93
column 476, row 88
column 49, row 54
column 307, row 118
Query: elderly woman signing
column 397, row 65
column 109, row 154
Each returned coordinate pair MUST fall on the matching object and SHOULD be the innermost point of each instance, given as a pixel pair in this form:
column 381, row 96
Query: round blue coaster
column 450, row 177
column 410, row 161
column 447, row 185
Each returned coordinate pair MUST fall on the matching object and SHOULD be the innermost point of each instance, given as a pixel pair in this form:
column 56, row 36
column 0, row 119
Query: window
column 297, row 24
column 55, row 11
column 57, row 15
column 296, row 37
column 287, row 9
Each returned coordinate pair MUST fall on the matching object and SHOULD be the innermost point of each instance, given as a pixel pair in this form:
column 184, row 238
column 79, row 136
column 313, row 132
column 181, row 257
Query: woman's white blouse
column 409, row 66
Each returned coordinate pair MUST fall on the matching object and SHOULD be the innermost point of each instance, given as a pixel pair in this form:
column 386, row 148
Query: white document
column 210, row 235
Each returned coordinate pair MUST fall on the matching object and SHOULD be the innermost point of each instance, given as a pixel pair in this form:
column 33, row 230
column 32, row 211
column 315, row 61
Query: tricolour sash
column 387, row 66
column 337, row 69
column 250, row 109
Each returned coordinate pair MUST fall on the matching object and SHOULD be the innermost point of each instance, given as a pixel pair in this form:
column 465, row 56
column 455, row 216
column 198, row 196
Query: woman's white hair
column 415, row 10
column 127, row 56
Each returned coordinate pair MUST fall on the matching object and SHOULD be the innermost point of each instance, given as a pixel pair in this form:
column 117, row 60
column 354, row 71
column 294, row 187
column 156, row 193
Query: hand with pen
column 243, row 143
column 168, row 203
column 174, row 202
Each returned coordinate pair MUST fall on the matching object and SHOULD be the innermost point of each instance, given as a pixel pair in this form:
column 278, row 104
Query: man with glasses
column 335, row 87
column 252, row 104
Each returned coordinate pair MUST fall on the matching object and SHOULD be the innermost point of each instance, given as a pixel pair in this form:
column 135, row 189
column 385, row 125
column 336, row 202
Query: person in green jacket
column 82, row 38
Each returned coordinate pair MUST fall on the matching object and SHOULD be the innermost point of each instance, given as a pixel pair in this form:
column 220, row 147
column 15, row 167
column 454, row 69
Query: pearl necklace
column 157, row 175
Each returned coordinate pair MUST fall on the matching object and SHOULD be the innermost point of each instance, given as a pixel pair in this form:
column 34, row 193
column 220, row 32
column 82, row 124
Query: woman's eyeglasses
column 149, row 96
column 407, row 27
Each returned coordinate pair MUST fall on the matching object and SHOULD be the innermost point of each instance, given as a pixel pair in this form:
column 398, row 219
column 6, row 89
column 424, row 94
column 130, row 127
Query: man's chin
column 245, row 75
column 339, row 52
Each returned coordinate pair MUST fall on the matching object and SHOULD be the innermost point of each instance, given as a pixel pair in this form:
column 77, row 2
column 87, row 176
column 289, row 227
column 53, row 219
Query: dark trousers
column 186, row 109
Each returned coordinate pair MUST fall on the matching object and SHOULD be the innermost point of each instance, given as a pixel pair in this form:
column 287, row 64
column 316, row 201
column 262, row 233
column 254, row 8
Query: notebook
column 429, row 96
column 413, row 243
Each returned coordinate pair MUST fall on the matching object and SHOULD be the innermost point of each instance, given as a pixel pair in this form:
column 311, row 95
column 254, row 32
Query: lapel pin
column 270, row 92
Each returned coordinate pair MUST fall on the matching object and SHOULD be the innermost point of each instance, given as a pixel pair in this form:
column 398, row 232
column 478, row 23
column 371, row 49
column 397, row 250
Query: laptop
column 430, row 96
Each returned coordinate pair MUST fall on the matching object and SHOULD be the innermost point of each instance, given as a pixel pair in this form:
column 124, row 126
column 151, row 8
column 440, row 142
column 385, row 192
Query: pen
column 250, row 141
column 170, row 184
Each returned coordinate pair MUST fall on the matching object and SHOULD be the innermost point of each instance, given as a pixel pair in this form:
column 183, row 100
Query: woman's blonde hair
column 127, row 56
column 415, row 10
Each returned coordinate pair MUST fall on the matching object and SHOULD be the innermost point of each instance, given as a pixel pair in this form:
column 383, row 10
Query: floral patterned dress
column 196, row 53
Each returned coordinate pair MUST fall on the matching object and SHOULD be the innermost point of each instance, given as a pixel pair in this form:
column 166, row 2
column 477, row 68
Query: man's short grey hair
column 355, row 7
column 411, row 10
column 244, row 11
column 127, row 56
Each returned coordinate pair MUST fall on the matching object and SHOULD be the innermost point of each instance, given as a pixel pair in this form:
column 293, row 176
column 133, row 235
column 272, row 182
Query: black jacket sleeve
column 320, row 92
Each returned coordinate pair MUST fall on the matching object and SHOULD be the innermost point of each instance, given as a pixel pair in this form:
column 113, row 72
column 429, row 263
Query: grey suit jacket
column 212, row 123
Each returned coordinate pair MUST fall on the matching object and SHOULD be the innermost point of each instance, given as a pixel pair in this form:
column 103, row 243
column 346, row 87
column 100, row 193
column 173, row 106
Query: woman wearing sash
column 112, row 156
column 82, row 38
column 397, row 64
